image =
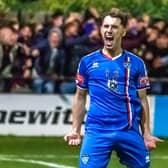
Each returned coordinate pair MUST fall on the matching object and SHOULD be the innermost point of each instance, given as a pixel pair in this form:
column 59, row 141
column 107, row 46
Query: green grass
column 55, row 150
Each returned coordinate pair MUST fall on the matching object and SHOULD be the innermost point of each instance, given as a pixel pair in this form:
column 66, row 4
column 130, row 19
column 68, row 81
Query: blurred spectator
column 91, row 14
column 49, row 63
column 150, row 47
column 57, row 19
column 147, row 20
column 15, row 25
column 27, row 51
column 160, row 69
column 152, row 35
column 72, row 17
column 76, row 46
column 8, row 54
column 135, row 36
column 161, row 53
column 24, row 61
column 160, row 24
column 39, row 33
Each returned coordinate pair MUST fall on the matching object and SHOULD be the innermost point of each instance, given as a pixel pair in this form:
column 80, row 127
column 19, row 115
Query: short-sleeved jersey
column 112, row 84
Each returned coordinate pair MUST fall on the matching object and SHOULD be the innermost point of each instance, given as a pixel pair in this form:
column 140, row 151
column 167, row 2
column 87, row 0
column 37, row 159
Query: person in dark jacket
column 48, row 63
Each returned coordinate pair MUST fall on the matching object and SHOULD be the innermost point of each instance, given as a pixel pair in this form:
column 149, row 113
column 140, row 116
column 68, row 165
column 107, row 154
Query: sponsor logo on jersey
column 112, row 84
column 144, row 80
column 95, row 65
column 112, row 81
column 79, row 78
column 147, row 159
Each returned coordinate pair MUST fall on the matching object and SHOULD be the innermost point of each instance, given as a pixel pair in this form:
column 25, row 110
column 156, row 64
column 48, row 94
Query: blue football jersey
column 112, row 84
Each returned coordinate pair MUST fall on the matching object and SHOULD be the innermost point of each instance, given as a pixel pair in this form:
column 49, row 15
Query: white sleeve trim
column 148, row 87
column 82, row 88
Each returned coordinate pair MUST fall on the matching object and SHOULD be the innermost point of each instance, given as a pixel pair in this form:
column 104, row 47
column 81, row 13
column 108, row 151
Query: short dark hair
column 117, row 13
column 57, row 13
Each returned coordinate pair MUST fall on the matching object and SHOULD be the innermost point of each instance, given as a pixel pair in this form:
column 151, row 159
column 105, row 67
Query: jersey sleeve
column 142, row 81
column 81, row 76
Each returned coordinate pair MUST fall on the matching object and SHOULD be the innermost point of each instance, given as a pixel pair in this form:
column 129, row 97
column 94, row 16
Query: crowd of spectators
column 43, row 57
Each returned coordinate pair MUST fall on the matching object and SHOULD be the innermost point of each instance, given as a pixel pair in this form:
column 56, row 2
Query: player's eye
column 106, row 26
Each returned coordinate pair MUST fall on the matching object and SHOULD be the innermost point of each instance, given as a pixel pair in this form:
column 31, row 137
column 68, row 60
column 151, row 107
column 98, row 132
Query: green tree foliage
column 155, row 8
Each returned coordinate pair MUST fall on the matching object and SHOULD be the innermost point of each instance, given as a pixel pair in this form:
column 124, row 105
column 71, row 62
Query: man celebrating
column 116, row 81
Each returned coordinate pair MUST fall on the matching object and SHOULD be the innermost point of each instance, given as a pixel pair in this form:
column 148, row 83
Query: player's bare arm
column 78, row 113
column 150, row 141
column 145, row 120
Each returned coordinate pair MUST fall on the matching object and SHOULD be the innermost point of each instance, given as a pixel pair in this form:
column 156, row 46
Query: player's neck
column 112, row 53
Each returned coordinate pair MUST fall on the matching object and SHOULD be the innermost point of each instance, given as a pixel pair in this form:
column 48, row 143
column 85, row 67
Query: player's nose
column 110, row 29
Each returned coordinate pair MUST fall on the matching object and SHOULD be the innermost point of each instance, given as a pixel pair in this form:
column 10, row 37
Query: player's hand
column 73, row 138
column 151, row 141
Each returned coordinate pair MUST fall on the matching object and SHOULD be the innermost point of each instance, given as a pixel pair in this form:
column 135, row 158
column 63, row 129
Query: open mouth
column 109, row 40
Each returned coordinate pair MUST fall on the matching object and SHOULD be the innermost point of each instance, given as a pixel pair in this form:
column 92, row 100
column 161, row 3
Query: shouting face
column 112, row 32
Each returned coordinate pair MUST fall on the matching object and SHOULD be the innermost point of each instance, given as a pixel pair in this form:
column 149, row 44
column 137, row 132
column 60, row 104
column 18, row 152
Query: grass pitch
column 53, row 152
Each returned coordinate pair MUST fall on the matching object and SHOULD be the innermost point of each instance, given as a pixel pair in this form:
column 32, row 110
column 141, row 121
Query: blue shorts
column 97, row 147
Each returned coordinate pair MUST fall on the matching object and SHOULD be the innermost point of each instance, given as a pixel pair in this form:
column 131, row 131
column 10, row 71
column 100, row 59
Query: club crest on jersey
column 127, row 65
column 85, row 159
